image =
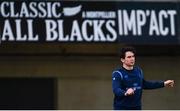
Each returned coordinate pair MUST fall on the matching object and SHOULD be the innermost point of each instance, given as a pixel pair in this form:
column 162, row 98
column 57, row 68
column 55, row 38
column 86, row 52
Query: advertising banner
column 89, row 22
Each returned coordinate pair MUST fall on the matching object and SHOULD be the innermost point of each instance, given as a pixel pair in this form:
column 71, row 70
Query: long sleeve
column 152, row 84
column 117, row 84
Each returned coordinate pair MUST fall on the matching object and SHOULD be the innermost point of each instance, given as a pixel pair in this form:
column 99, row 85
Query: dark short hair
column 126, row 49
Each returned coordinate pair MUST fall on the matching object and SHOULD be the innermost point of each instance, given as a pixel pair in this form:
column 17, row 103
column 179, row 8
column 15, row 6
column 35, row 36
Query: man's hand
column 129, row 92
column 169, row 83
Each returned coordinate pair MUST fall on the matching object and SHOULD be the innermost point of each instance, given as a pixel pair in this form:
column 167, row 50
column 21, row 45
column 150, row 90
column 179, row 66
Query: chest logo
column 126, row 76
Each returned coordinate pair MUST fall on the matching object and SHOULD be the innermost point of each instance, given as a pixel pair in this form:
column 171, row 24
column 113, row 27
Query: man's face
column 129, row 59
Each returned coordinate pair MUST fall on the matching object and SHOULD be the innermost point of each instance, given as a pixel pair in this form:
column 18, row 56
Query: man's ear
column 122, row 60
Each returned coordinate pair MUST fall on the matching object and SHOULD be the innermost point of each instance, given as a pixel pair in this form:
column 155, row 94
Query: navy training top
column 123, row 79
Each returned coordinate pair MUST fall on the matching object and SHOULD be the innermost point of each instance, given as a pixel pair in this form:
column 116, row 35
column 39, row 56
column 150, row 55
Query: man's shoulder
column 117, row 73
column 139, row 71
column 137, row 68
column 117, row 69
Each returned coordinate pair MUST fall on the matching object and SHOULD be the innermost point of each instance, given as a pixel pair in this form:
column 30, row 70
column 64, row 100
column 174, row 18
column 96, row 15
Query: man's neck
column 128, row 67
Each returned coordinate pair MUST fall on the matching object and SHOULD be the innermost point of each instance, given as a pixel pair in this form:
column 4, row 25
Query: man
column 128, row 82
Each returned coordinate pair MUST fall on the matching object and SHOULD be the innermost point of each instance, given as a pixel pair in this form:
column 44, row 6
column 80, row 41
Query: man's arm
column 152, row 84
column 157, row 84
column 117, row 84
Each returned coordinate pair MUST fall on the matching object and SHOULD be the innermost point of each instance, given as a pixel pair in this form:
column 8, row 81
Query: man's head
column 128, row 56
